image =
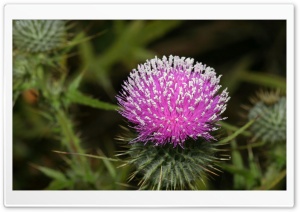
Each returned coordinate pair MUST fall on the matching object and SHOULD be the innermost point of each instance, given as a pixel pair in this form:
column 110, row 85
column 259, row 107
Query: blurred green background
column 250, row 54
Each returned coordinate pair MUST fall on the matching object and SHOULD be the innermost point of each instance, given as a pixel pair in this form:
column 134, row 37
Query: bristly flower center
column 169, row 101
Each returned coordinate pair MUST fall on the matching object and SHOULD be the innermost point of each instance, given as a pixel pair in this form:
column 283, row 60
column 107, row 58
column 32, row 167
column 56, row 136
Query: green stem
column 233, row 128
column 72, row 142
column 237, row 132
column 274, row 182
column 88, row 155
column 251, row 146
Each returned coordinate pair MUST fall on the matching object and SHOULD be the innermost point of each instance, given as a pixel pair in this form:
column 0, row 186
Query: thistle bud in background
column 38, row 35
column 173, row 105
column 270, row 110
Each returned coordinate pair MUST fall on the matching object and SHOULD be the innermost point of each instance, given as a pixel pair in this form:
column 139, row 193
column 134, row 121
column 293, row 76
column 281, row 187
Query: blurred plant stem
column 273, row 182
column 72, row 142
column 236, row 132
column 231, row 127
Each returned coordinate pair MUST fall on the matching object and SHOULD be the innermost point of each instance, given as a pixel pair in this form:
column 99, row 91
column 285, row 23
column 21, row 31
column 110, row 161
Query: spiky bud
column 270, row 110
column 169, row 168
column 38, row 35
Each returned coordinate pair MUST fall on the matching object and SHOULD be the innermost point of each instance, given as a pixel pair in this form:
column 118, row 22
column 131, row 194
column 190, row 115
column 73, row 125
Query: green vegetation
column 66, row 75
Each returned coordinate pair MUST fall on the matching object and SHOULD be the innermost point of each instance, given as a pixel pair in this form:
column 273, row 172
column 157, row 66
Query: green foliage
column 268, row 126
column 271, row 123
column 241, row 73
column 129, row 47
column 83, row 99
column 58, row 68
column 36, row 69
column 38, row 35
column 169, row 168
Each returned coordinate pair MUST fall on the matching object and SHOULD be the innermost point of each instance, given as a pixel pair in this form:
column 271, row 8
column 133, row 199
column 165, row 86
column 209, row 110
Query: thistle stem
column 71, row 141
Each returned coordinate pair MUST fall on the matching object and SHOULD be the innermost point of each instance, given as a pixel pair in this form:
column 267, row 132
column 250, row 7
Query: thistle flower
column 172, row 100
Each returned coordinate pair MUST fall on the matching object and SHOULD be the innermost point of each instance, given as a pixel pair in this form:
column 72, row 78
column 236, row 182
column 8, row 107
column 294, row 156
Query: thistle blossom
column 172, row 100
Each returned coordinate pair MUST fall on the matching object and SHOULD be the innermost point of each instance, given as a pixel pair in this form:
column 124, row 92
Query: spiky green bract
column 22, row 69
column 38, row 35
column 169, row 168
column 271, row 123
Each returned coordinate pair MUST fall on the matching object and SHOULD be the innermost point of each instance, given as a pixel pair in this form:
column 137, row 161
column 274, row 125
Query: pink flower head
column 169, row 101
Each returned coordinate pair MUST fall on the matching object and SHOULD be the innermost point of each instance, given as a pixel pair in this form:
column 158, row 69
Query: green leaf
column 239, row 181
column 58, row 185
column 237, row 171
column 86, row 53
column 108, row 164
column 232, row 79
column 121, row 48
column 16, row 94
column 54, row 174
column 254, row 168
column 80, row 98
column 143, row 54
column 156, row 29
column 75, row 82
column 238, row 132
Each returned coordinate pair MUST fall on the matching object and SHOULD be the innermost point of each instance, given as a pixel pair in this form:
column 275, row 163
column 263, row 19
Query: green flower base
column 169, row 168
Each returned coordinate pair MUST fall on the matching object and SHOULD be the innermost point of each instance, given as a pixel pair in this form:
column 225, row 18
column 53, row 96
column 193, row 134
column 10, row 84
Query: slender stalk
column 233, row 128
column 72, row 142
column 237, row 132
column 274, row 182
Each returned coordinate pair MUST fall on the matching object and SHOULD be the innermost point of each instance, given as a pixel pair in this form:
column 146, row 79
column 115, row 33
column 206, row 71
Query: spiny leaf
column 75, row 82
column 80, row 98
